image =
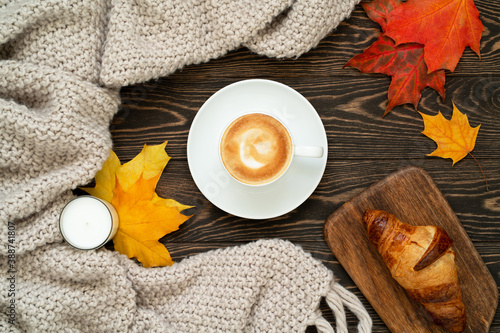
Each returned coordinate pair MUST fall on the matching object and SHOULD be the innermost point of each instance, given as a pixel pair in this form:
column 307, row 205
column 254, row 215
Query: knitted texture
column 61, row 66
column 190, row 32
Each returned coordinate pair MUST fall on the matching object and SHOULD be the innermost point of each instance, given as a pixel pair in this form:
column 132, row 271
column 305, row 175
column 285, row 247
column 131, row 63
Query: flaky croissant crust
column 421, row 260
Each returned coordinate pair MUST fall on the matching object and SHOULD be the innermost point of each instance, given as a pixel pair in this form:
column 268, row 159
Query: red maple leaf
column 405, row 63
column 379, row 10
column 445, row 27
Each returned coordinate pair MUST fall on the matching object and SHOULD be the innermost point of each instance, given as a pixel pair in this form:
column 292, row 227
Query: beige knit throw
column 61, row 65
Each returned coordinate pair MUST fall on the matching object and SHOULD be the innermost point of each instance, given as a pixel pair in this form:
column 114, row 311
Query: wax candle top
column 88, row 222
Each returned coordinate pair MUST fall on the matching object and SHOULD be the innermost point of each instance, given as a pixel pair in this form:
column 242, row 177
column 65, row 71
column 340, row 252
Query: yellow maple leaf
column 455, row 138
column 105, row 179
column 144, row 216
column 143, row 223
column 148, row 163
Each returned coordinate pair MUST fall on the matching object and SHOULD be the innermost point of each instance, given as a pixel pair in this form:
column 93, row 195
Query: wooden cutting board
column 412, row 196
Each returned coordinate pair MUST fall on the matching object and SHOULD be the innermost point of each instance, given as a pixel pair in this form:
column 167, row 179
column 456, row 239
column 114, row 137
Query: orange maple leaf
column 445, row 27
column 143, row 223
column 455, row 138
column 144, row 216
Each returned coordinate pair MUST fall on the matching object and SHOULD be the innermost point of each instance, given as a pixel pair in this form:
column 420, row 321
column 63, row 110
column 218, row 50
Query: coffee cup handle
column 308, row 151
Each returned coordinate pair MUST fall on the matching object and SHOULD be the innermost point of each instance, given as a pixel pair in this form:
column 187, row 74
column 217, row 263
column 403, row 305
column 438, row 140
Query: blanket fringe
column 337, row 298
column 322, row 325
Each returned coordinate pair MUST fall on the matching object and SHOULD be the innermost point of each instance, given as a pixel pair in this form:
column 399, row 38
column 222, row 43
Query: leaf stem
column 484, row 176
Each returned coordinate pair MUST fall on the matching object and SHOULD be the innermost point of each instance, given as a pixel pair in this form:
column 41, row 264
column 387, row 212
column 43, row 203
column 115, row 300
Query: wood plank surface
column 363, row 147
column 351, row 110
column 412, row 196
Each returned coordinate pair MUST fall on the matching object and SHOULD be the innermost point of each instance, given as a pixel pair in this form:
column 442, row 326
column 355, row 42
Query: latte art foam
column 256, row 149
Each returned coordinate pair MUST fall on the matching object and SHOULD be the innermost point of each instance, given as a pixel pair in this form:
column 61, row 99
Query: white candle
column 88, row 222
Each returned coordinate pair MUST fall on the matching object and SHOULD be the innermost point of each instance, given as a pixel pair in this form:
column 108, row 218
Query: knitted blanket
column 62, row 63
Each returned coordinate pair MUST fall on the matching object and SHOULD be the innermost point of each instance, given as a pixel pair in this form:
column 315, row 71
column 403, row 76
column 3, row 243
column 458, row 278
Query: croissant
column 421, row 260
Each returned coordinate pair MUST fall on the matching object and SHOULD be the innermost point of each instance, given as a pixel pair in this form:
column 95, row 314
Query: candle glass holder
column 87, row 222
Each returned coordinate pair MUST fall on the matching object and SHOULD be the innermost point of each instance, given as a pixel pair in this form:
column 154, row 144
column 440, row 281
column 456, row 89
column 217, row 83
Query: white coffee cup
column 257, row 149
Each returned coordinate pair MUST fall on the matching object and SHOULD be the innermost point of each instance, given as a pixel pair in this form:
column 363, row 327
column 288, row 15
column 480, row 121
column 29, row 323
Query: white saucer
column 279, row 197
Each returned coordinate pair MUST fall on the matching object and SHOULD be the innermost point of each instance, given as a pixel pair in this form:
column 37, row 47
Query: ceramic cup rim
column 282, row 124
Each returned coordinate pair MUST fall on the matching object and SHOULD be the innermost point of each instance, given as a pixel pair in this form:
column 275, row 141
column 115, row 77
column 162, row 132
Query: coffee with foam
column 256, row 149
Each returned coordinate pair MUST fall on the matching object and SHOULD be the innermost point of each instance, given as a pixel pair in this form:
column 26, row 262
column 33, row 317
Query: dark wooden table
column 363, row 146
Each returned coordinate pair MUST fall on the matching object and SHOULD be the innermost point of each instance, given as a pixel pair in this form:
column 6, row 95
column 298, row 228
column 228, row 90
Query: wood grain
column 412, row 196
column 350, row 108
column 350, row 38
column 363, row 147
